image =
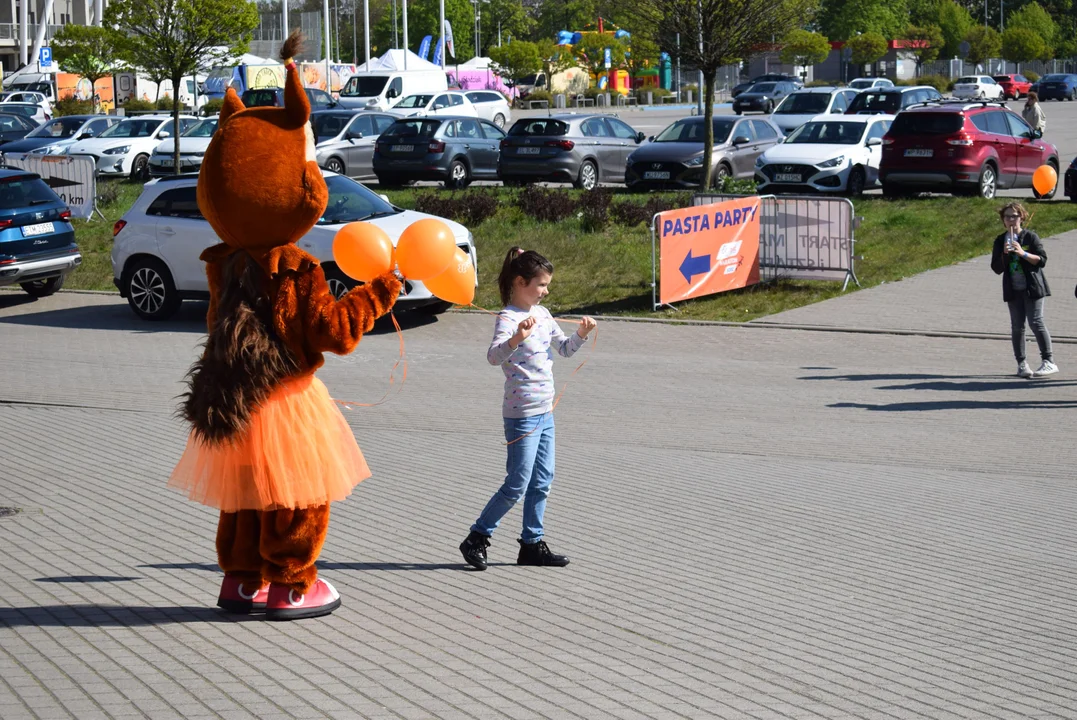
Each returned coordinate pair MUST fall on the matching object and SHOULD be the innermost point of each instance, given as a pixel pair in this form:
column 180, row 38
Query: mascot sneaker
column 237, row 598
column 287, row 604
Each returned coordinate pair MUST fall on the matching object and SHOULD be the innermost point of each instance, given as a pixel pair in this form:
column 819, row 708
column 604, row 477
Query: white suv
column 157, row 243
column 125, row 148
column 492, row 106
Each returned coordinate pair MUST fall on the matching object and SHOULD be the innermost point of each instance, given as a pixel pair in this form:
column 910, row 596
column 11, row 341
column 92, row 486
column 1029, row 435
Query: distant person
column 1033, row 113
column 1018, row 256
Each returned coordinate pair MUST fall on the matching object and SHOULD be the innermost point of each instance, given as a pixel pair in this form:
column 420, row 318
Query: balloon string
column 594, row 344
column 401, row 360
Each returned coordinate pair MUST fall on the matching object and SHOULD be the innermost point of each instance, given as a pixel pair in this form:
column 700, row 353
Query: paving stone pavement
column 763, row 523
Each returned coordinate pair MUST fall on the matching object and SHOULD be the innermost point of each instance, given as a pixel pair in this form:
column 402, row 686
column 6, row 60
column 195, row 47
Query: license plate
column 919, row 153
column 528, row 151
column 167, row 162
column 788, row 177
column 656, row 176
column 39, row 229
column 403, row 148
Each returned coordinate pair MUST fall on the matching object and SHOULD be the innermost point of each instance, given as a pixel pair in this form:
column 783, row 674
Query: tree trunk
column 708, row 129
column 175, row 125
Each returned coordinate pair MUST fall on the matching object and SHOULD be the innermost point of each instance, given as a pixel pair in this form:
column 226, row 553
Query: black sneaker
column 539, row 554
column 474, row 549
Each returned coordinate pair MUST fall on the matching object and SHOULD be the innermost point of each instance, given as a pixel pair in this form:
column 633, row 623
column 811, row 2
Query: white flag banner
column 448, row 38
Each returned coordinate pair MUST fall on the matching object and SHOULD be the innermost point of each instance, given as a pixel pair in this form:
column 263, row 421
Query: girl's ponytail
column 521, row 263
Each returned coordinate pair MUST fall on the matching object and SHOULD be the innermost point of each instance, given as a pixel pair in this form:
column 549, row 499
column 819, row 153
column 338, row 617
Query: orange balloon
column 1044, row 179
column 457, row 283
column 363, row 251
column 425, row 249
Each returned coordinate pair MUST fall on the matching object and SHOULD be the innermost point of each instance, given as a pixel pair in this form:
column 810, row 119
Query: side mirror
column 392, row 93
column 1037, row 134
column 874, row 141
column 439, row 106
column 354, row 135
column 741, row 140
column 165, row 134
column 640, row 137
column 84, row 136
column 386, row 199
column 650, row 139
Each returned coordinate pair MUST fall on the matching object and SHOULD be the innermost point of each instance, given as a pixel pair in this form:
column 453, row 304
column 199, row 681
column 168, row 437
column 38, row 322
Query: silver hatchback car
column 345, row 140
column 580, row 149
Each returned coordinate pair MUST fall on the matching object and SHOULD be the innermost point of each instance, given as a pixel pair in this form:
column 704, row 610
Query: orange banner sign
column 709, row 249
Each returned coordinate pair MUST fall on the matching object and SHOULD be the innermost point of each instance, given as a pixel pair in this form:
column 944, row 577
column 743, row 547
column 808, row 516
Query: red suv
column 1013, row 86
column 962, row 148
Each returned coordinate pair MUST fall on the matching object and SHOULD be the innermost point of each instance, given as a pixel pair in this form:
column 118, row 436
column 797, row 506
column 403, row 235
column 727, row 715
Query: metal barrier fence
column 803, row 237
column 72, row 177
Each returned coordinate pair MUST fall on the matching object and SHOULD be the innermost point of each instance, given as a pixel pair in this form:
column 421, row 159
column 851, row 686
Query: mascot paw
column 287, row 604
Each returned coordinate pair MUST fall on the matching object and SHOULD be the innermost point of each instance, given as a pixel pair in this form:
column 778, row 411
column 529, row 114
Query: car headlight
column 695, row 162
column 760, row 162
column 122, row 150
column 832, row 162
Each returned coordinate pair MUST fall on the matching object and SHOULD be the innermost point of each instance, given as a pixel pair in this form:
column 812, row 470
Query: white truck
column 129, row 86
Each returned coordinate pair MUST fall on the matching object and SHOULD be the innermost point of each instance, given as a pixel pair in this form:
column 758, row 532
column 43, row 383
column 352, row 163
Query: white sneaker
column 1047, row 368
column 1023, row 369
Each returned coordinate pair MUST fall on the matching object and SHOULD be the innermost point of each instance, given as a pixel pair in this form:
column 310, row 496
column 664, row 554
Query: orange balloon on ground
column 1044, row 179
column 457, row 283
column 363, row 251
column 425, row 249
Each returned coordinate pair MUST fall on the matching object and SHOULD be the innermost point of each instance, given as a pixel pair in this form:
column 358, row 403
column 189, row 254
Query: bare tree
column 731, row 30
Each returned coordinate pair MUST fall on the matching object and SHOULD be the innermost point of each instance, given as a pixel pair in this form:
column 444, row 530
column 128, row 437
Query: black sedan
column 762, row 97
column 14, row 127
column 455, row 150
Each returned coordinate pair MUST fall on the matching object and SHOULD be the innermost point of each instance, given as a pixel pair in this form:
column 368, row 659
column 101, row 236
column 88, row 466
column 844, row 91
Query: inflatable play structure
column 618, row 80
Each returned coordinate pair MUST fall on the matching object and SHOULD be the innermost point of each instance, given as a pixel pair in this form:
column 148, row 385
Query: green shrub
column 108, row 192
column 1031, row 76
column 470, row 208
column 213, row 107
column 939, row 82
column 71, row 106
column 136, row 105
column 164, row 103
column 825, row 83
column 545, row 205
column 594, row 207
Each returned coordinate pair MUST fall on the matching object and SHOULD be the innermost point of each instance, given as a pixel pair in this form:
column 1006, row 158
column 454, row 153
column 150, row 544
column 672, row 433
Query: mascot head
column 260, row 186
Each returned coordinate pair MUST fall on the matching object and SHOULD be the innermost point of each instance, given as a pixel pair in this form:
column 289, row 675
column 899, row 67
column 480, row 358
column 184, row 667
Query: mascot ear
column 232, row 104
column 295, row 97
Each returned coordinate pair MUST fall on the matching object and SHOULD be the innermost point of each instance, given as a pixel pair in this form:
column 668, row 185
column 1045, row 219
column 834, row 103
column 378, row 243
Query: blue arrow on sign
column 697, row 265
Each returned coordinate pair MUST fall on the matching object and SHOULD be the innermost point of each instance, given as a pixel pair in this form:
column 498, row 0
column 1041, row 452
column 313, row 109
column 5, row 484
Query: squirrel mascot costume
column 268, row 446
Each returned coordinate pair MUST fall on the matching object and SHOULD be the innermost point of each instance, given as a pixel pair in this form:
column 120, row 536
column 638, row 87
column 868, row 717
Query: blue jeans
column 528, row 475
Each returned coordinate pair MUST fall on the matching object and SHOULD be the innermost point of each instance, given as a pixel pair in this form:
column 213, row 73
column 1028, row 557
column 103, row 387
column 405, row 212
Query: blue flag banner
column 424, row 46
column 437, row 51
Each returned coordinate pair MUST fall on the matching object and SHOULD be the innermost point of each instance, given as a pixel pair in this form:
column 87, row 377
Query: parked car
column 125, row 148
column 674, row 157
column 892, row 101
column 274, row 97
column 157, row 243
column 1013, row 87
column 492, row 106
column 768, row 77
column 345, row 140
column 14, row 127
column 428, row 104
column 1057, row 86
column 871, row 84
column 37, row 241
column 56, row 136
column 30, row 111
column 455, row 150
column 584, row 150
column 762, row 97
column 827, row 154
column 193, row 144
column 803, row 105
column 979, row 87
column 33, row 98
column 962, row 148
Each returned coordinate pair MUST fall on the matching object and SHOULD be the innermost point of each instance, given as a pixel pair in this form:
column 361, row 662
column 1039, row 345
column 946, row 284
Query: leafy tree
column 955, row 22
column 1034, row 18
column 182, row 37
column 867, row 48
column 642, row 54
column 730, row 30
column 984, row 43
column 515, row 61
column 88, row 51
column 843, row 19
column 513, row 18
column 923, row 12
column 925, row 42
column 1022, row 45
column 555, row 59
column 424, row 19
column 804, row 48
column 590, row 52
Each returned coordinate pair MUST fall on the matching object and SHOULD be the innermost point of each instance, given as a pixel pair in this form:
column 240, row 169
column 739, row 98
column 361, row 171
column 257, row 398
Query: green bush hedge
column 71, row 106
column 212, row 107
column 1031, row 76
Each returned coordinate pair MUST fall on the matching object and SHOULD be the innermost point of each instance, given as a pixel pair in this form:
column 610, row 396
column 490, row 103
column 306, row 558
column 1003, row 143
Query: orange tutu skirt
column 298, row 452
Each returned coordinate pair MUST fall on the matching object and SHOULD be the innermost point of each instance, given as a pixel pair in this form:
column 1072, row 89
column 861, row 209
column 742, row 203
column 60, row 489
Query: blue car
column 37, row 242
column 1058, row 86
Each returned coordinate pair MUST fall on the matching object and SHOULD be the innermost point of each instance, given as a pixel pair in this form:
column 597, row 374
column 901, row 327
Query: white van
column 380, row 90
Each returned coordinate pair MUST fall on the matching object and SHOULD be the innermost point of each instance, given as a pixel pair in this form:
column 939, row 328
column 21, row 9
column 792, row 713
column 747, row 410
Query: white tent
column 393, row 60
column 477, row 63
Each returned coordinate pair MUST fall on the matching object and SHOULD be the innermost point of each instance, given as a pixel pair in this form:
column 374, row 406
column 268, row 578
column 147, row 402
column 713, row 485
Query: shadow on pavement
column 114, row 616
column 635, row 302
column 982, row 386
column 870, row 377
column 328, row 565
column 964, row 405
column 86, row 579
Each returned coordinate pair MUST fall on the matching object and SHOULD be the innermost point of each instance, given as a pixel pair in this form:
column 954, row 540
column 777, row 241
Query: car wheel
column 499, row 120
column 894, row 192
column 720, row 175
column 588, row 177
column 737, row 112
column 44, row 287
column 339, row 283
column 769, row 108
column 436, row 308
column 1051, row 194
column 1073, row 95
column 140, row 168
column 151, row 293
column 335, row 165
column 854, row 186
column 458, row 176
column 988, row 181
column 980, row 96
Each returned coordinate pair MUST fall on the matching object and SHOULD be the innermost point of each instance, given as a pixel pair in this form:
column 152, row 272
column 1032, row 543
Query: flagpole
column 444, row 44
column 366, row 31
column 405, row 34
